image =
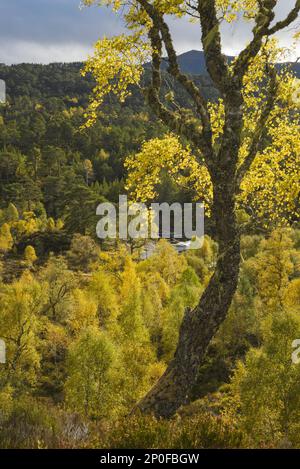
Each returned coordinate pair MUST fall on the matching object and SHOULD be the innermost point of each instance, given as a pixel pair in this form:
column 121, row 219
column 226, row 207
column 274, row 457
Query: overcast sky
column 43, row 31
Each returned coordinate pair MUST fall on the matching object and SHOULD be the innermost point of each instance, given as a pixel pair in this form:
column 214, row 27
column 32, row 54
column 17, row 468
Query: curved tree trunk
column 200, row 325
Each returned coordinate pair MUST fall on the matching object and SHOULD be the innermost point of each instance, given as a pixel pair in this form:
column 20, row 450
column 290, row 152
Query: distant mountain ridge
column 193, row 63
column 64, row 79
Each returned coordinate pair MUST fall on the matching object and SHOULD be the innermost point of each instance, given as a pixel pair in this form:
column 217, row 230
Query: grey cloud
column 57, row 30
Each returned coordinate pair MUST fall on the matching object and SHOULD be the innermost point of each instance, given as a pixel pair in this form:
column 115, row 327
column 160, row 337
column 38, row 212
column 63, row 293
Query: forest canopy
column 106, row 346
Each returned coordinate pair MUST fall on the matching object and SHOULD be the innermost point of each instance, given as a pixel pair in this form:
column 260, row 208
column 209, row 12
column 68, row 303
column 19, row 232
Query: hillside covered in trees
column 89, row 327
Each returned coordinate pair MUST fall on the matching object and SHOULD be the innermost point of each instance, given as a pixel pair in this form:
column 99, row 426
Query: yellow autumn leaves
column 270, row 189
column 165, row 154
column 116, row 65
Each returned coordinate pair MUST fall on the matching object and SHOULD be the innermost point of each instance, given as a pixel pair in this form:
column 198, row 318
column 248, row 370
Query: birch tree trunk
column 201, row 324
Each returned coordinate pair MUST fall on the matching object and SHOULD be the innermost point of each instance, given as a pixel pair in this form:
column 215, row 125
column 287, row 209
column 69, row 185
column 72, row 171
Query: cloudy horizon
column 45, row 31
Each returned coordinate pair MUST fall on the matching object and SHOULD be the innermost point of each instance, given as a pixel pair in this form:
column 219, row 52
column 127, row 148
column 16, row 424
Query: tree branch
column 160, row 34
column 256, row 143
column 173, row 120
column 211, row 41
column 291, row 17
column 263, row 20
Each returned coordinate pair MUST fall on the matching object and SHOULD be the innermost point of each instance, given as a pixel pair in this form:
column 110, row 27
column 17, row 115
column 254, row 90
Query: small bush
column 38, row 425
column 199, row 431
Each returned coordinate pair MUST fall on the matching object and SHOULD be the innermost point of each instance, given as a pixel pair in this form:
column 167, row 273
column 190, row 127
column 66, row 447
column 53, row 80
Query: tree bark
column 200, row 325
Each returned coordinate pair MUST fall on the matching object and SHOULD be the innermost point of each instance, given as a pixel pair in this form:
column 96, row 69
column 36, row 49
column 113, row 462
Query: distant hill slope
column 64, row 79
column 193, row 63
